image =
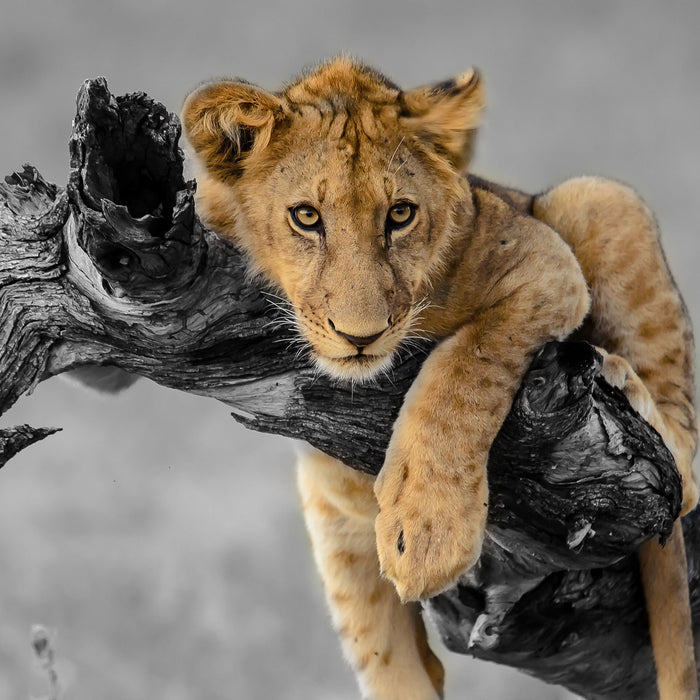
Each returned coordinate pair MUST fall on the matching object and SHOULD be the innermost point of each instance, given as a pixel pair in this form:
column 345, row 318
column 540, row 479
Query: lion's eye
column 400, row 215
column 306, row 217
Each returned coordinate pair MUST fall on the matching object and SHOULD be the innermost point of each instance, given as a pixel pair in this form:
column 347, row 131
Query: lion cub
column 350, row 195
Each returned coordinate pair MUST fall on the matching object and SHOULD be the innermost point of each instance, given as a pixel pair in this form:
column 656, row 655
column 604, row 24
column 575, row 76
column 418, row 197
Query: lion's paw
column 619, row 373
column 428, row 531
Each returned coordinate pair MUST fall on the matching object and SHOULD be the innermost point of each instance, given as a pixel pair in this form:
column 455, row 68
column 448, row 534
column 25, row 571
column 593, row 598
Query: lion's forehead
column 346, row 118
column 343, row 143
column 346, row 166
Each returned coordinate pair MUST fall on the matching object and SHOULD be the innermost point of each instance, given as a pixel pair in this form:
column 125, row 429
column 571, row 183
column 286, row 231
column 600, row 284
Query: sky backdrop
column 161, row 542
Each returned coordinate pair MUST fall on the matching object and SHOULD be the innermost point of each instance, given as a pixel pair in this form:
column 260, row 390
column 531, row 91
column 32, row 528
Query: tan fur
column 492, row 282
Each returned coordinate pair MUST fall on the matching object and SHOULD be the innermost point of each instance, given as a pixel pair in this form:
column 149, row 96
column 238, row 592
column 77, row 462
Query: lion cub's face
column 346, row 194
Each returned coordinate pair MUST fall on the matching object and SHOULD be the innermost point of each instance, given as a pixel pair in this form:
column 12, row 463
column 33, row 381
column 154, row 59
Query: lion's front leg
column 432, row 489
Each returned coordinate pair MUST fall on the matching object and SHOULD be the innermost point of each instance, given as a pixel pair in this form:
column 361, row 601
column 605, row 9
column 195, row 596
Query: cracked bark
column 116, row 270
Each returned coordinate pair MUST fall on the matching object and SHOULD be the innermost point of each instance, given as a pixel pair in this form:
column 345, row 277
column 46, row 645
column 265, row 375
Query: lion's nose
column 359, row 341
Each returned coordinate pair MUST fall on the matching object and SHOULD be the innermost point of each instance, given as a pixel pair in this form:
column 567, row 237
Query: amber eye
column 400, row 215
column 306, row 217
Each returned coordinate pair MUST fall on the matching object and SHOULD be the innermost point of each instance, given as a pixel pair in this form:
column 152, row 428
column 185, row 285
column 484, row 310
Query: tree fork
column 116, row 270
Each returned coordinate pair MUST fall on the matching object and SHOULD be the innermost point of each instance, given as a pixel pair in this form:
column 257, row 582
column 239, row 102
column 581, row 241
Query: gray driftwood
column 117, row 270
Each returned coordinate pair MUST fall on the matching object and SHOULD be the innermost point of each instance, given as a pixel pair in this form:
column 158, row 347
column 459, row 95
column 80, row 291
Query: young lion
column 350, row 196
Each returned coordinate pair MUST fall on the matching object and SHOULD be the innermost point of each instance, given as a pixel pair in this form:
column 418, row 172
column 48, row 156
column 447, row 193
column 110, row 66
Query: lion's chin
column 357, row 369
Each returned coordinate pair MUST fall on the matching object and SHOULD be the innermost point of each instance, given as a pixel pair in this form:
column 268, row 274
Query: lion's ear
column 228, row 122
column 447, row 114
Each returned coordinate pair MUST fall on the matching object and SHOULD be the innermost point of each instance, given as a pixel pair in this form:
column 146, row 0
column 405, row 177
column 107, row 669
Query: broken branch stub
column 117, row 270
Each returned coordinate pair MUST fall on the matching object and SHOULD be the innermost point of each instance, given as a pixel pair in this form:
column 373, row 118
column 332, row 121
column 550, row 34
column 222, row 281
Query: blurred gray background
column 161, row 542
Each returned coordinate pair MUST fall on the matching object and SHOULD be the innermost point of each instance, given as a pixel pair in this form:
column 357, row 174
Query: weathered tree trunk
column 117, row 270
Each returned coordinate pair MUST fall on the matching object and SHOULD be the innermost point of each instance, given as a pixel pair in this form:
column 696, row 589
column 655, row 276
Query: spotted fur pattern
column 348, row 194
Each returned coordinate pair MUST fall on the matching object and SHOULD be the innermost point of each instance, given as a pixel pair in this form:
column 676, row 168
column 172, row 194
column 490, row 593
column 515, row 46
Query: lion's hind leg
column 663, row 569
column 637, row 314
